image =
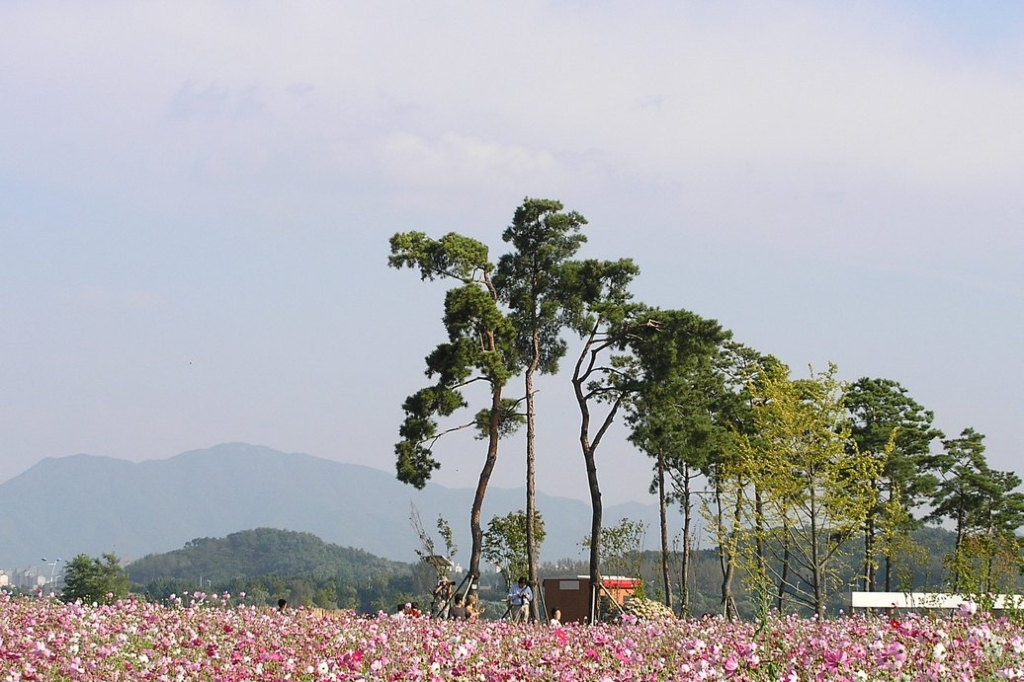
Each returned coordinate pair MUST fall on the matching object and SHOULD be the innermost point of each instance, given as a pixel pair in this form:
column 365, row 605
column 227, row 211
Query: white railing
column 929, row 600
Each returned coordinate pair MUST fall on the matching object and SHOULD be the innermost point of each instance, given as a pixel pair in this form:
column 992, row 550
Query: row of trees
column 365, row 588
column 806, row 468
column 788, row 473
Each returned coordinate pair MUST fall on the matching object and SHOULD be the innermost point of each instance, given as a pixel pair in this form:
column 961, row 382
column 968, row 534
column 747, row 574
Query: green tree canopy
column 672, row 417
column 480, row 348
column 892, row 426
column 529, row 282
column 90, row 580
column 982, row 502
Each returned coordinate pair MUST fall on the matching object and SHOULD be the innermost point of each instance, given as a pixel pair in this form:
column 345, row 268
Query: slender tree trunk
column 817, row 557
column 595, row 534
column 531, row 501
column 597, row 512
column 687, row 569
column 759, row 550
column 731, row 610
column 990, row 562
column 476, row 531
column 870, row 531
column 961, row 516
column 780, row 604
column 720, row 522
column 663, row 519
column 889, row 561
column 579, row 378
column 869, row 550
column 589, row 445
column 726, row 558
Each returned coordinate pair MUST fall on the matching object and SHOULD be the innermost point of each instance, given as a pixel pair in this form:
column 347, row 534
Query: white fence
column 928, row 600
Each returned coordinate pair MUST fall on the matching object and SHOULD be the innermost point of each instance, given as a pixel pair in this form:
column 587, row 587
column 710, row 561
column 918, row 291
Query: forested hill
column 262, row 552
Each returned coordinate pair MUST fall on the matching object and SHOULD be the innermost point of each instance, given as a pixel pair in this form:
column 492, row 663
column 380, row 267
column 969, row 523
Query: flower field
column 209, row 639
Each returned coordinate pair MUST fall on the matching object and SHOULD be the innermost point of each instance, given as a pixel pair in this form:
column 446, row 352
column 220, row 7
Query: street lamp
column 53, row 568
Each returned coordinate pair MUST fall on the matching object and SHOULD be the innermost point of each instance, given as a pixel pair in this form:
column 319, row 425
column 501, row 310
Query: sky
column 196, row 201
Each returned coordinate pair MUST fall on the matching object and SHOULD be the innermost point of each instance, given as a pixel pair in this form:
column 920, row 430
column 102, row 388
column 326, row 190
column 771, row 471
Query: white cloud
column 794, row 86
column 457, row 160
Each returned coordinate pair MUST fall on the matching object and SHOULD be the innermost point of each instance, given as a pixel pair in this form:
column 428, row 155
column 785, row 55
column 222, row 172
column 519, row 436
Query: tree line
column 275, row 564
column 790, row 474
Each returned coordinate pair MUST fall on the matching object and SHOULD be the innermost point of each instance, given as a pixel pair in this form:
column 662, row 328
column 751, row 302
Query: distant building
column 572, row 595
column 30, row 577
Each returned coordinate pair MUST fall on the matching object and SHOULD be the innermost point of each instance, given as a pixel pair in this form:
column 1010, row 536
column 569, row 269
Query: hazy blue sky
column 196, row 198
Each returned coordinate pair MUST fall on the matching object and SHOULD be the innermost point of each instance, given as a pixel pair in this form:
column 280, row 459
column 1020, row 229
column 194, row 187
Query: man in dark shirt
column 458, row 610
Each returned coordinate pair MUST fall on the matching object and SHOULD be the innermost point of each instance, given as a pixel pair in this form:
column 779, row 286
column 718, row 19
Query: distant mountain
column 88, row 504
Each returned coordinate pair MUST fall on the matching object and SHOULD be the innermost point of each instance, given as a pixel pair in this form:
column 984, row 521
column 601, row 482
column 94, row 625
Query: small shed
column 572, row 595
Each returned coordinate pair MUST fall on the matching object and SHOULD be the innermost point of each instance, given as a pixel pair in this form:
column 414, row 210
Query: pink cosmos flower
column 897, row 653
column 834, row 659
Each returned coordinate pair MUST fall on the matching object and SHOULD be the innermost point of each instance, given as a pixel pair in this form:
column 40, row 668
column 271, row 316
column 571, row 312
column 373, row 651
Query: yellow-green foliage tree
column 813, row 485
column 505, row 544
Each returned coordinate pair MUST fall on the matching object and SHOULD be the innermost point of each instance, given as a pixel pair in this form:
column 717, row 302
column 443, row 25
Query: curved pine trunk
column 476, row 530
column 595, row 534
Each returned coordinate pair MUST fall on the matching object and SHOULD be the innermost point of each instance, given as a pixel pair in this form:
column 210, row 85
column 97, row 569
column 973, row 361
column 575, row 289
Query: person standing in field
column 519, row 598
column 473, row 607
